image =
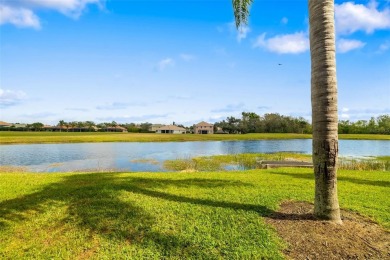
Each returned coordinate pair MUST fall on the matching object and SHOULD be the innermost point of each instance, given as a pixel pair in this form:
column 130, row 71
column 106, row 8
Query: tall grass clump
column 386, row 161
column 193, row 164
column 186, row 164
column 222, row 162
column 206, row 164
column 364, row 164
column 248, row 161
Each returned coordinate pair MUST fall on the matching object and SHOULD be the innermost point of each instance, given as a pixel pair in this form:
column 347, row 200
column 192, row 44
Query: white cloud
column 19, row 17
column 286, row 43
column 384, row 46
column 10, row 97
column 163, row 64
column 351, row 17
column 344, row 45
column 73, row 8
column 344, row 116
column 113, row 106
column 284, row 20
column 213, row 119
column 220, row 29
column 79, row 109
column 230, row 108
column 38, row 115
column 362, row 113
column 21, row 12
column 220, row 51
column 120, row 105
column 133, row 119
column 242, row 32
column 180, row 97
column 187, row 57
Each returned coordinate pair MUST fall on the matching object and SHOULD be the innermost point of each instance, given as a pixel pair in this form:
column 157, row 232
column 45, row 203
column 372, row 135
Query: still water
column 150, row 156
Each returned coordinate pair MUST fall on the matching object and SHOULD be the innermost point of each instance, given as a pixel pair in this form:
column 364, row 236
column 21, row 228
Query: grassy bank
column 67, row 137
column 205, row 215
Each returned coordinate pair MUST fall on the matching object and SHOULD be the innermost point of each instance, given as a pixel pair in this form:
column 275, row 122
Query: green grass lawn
column 7, row 137
column 202, row 215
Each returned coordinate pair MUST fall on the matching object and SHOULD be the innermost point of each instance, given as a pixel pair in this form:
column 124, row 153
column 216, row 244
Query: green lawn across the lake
column 199, row 215
column 9, row 137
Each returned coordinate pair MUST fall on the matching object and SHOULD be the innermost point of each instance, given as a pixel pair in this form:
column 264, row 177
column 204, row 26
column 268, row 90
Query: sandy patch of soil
column 309, row 238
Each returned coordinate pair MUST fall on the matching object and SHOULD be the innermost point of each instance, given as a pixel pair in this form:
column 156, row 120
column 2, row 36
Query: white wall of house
column 170, row 132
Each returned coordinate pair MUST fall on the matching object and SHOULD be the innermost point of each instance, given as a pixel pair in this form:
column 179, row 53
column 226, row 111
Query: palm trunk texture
column 324, row 108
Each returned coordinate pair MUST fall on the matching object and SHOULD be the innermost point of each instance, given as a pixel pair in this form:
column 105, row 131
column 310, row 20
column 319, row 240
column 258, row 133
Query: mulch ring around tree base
column 309, row 238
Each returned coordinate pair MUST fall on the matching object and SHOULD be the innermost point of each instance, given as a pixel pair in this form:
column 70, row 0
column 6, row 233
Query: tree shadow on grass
column 145, row 186
column 93, row 203
column 184, row 183
column 310, row 176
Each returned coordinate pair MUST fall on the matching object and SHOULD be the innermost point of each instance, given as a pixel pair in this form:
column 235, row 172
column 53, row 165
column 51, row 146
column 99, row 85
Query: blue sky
column 162, row 61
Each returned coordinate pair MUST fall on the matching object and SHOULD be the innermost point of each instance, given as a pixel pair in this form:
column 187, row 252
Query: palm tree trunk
column 324, row 108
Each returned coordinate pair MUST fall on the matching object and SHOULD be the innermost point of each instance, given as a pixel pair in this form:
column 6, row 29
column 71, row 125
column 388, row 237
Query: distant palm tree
column 90, row 125
column 73, row 125
column 323, row 99
column 61, row 123
column 80, row 125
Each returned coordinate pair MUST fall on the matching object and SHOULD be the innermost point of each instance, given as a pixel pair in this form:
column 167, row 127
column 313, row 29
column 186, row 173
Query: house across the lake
column 5, row 124
column 203, row 128
column 154, row 127
column 171, row 129
column 12, row 126
column 115, row 129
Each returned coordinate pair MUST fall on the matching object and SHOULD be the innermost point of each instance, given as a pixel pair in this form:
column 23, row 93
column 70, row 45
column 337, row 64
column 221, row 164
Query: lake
column 150, row 156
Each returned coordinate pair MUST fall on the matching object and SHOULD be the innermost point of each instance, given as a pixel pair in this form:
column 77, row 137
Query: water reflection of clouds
column 267, row 146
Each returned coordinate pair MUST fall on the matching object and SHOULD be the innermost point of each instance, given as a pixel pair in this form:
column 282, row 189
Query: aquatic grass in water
column 364, row 164
column 207, row 164
column 229, row 161
column 386, row 162
column 149, row 161
column 251, row 161
column 180, row 165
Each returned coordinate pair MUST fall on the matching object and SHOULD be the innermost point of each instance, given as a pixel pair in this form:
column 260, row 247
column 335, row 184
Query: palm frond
column 241, row 11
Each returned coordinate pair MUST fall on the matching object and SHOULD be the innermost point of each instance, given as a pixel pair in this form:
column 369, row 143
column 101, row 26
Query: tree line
column 92, row 126
column 248, row 123
column 268, row 123
column 80, row 126
column 379, row 125
column 275, row 123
